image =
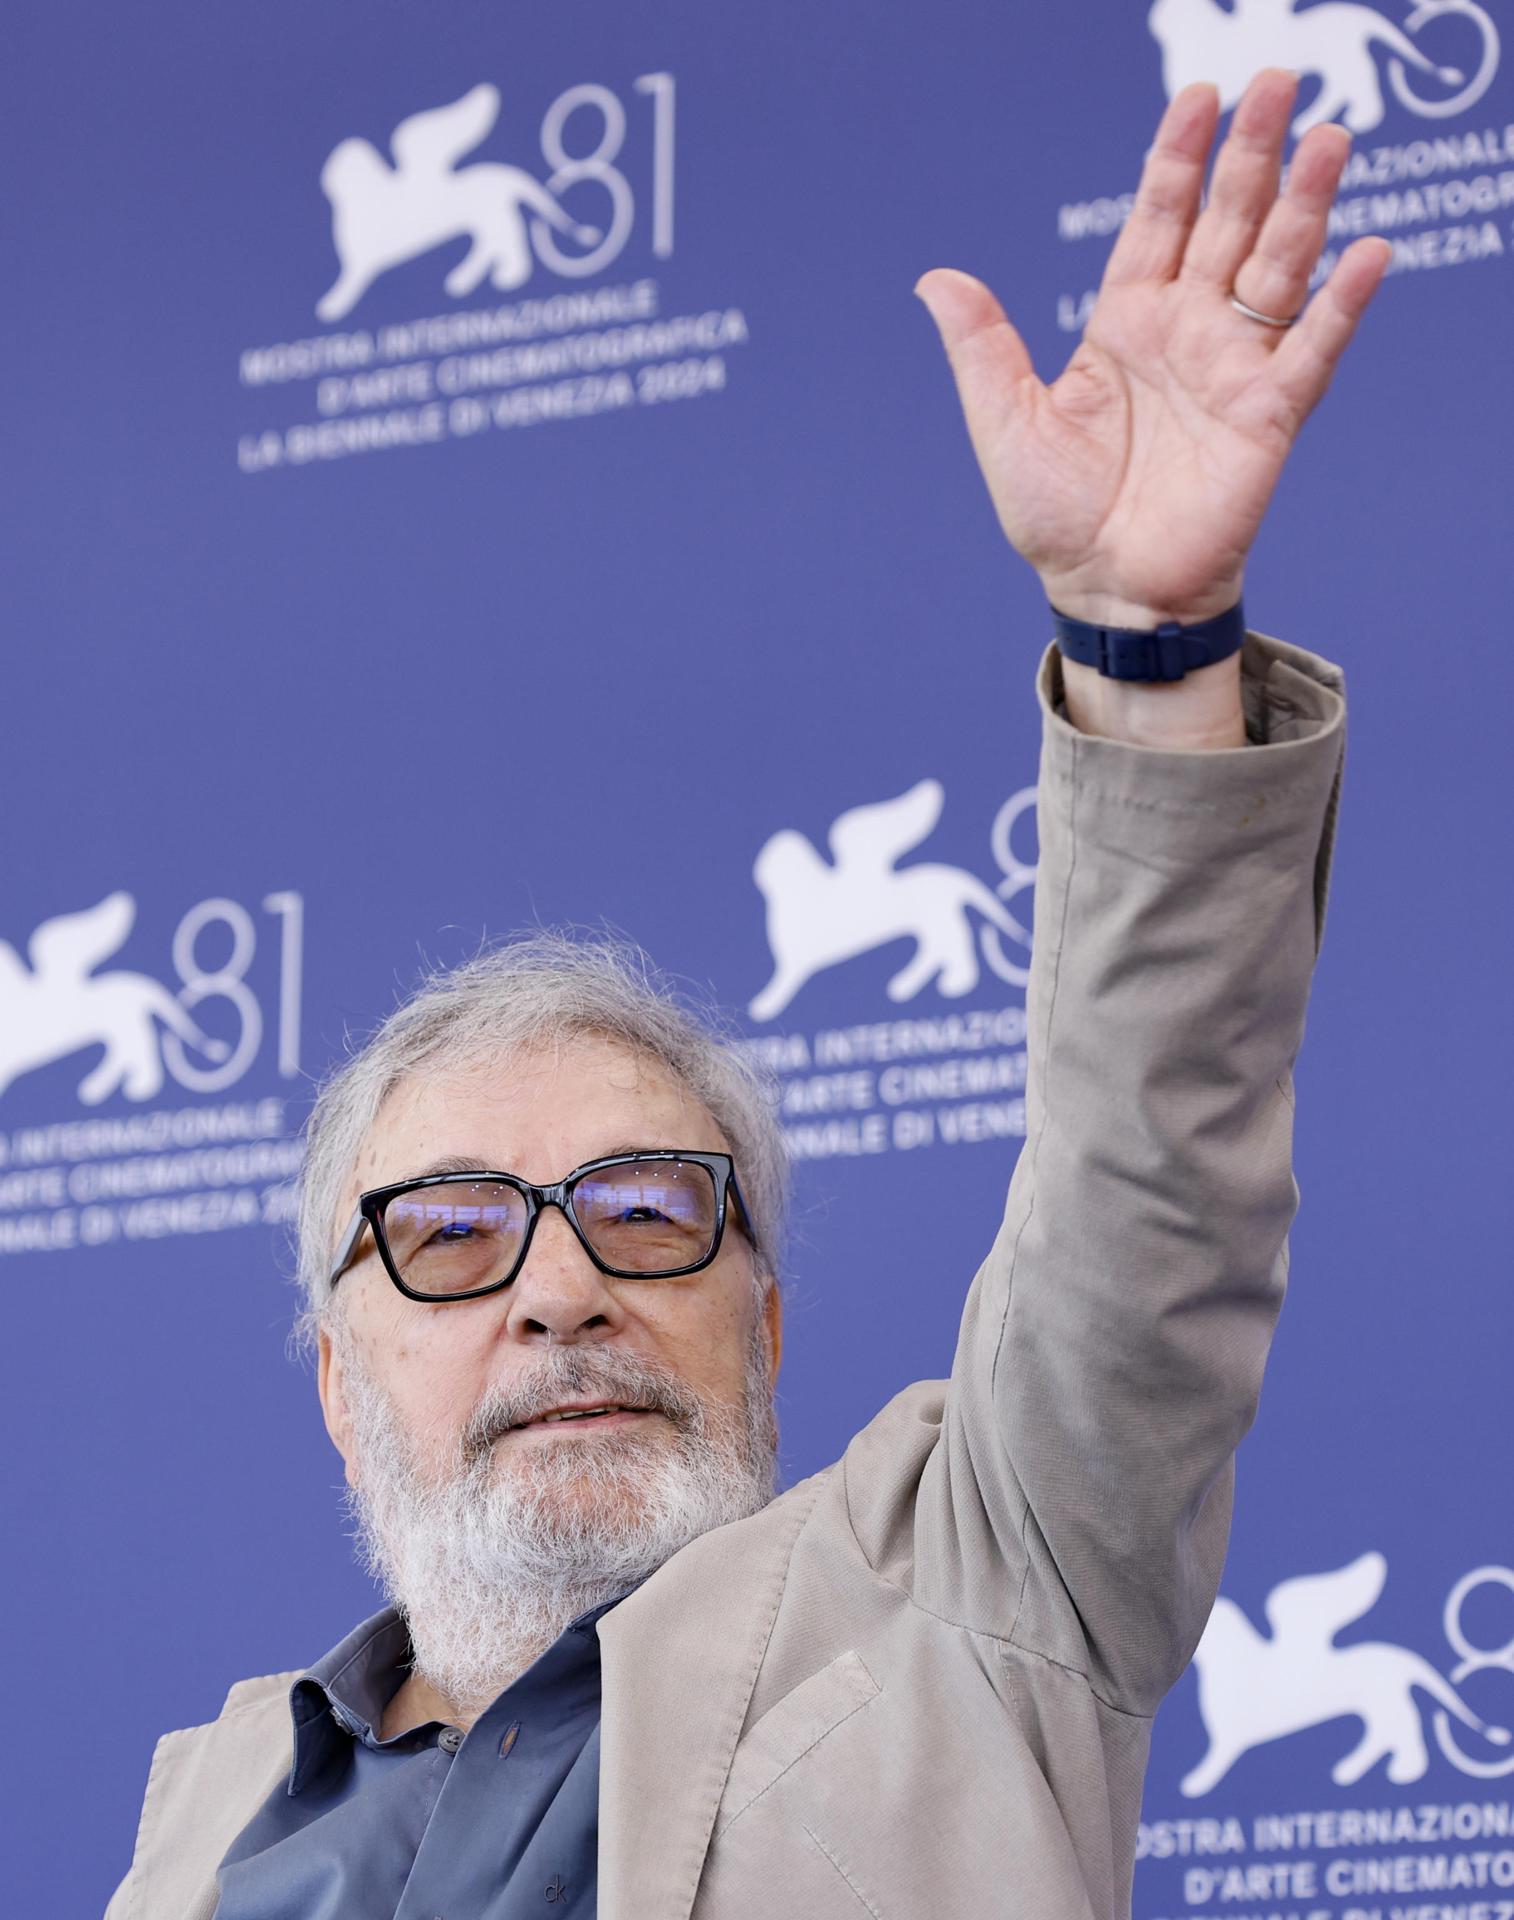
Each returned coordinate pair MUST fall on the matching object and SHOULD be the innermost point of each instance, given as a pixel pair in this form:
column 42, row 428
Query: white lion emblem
column 383, row 215
column 61, row 1006
column 1253, row 1689
column 1200, row 40
column 820, row 913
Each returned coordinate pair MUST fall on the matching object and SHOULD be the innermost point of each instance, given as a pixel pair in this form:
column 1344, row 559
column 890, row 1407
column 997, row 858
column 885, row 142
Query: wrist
column 1200, row 713
column 1107, row 607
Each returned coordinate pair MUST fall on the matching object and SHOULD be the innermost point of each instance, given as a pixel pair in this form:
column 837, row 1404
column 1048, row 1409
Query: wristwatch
column 1166, row 652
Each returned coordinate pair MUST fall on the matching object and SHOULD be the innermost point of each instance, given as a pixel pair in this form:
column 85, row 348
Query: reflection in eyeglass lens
column 454, row 1237
column 650, row 1216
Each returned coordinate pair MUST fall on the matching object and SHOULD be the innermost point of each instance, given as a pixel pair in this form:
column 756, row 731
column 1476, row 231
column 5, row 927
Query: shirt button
column 450, row 1739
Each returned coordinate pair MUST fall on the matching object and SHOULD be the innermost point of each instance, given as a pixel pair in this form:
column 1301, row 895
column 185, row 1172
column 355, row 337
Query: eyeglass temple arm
column 742, row 1209
column 347, row 1252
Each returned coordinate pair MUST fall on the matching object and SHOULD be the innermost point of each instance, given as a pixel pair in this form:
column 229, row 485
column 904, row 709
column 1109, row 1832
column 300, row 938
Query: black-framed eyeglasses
column 638, row 1216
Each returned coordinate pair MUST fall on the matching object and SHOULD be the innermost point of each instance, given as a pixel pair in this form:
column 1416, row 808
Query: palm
column 1151, row 459
column 1137, row 480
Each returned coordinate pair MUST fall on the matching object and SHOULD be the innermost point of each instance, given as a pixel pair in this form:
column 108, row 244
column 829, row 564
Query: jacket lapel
column 680, row 1658
column 205, row 1784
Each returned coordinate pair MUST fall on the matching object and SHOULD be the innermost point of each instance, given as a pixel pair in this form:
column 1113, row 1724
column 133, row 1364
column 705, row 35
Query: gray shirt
column 428, row 1824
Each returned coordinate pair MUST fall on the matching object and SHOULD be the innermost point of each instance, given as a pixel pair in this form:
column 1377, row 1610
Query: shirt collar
column 343, row 1696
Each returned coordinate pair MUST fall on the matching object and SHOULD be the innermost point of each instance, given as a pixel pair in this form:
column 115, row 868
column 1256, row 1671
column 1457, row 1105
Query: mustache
column 575, row 1373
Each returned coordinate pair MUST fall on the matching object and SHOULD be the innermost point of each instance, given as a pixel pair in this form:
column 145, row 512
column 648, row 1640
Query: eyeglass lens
column 639, row 1216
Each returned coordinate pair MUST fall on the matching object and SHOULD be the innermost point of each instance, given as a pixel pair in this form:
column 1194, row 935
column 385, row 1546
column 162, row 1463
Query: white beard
column 490, row 1557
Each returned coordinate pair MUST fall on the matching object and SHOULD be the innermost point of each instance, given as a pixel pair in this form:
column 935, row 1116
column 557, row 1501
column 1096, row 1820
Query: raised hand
column 1135, row 484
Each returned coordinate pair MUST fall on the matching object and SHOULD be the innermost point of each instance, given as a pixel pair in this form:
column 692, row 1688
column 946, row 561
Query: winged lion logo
column 1202, row 40
column 1254, row 1689
column 384, row 215
column 821, row 912
column 60, row 1005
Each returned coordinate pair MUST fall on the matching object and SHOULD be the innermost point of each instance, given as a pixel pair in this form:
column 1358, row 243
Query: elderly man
column 540, row 1232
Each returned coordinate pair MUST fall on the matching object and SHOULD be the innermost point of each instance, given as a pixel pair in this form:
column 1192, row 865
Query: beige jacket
column 920, row 1683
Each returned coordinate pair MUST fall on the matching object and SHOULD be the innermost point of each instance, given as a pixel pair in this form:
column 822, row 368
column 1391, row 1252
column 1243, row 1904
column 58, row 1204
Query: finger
column 1246, row 175
column 1274, row 278
column 1309, row 352
column 1150, row 246
column 990, row 361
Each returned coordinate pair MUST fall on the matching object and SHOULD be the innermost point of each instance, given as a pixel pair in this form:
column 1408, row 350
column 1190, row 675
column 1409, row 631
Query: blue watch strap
column 1166, row 652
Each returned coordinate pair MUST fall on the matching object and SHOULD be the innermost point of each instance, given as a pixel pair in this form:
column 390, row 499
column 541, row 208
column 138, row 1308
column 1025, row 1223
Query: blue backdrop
column 532, row 520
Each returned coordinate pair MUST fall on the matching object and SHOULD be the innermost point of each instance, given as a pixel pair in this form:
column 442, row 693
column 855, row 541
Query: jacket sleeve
column 1077, row 1500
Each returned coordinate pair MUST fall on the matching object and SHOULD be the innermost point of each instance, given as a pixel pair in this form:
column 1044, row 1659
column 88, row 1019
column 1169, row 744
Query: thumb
column 991, row 362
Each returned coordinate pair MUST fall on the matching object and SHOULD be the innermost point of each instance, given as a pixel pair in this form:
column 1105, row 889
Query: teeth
column 584, row 1413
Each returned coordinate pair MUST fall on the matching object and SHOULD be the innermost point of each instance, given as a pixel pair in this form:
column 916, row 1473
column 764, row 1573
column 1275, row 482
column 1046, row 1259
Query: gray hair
column 536, row 991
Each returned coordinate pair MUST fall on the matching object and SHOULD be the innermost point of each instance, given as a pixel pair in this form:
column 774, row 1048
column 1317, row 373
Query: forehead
column 539, row 1114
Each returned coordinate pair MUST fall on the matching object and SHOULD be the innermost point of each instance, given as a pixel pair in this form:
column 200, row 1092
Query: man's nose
column 559, row 1293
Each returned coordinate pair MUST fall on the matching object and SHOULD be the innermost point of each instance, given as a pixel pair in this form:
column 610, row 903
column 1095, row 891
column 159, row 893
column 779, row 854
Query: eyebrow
column 455, row 1163
column 458, row 1163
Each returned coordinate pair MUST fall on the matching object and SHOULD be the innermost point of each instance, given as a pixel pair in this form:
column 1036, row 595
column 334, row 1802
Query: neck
column 418, row 1700
column 517, row 1636
column 417, row 1703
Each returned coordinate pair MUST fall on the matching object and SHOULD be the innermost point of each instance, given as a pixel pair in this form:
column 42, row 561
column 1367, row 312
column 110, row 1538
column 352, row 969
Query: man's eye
column 455, row 1230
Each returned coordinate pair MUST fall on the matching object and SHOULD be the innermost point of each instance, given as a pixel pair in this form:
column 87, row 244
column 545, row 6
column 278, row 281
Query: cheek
column 433, row 1376
column 708, row 1344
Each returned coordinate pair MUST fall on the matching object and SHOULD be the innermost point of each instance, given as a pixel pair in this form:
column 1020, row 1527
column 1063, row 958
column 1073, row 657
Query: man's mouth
column 608, row 1413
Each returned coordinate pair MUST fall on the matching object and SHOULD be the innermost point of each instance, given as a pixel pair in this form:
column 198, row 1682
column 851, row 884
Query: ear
column 772, row 1327
column 329, row 1385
